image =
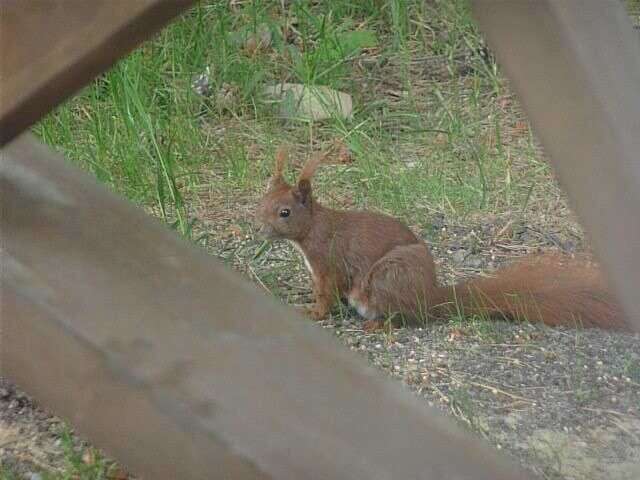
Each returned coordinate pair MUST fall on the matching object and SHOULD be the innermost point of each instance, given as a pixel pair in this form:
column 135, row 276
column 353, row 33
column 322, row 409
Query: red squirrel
column 381, row 267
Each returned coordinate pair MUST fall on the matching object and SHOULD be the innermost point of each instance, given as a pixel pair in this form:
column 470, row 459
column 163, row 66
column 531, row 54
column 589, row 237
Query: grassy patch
column 79, row 463
column 433, row 128
column 7, row 474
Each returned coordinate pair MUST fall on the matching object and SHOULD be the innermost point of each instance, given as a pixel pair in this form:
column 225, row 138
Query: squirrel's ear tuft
column 275, row 182
column 277, row 179
column 302, row 192
column 311, row 166
column 282, row 155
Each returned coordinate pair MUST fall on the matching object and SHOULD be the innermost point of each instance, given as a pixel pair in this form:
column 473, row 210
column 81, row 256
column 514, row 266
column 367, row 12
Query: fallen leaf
column 117, row 473
column 343, row 154
column 226, row 96
column 251, row 46
column 253, row 149
column 372, row 326
column 456, row 334
column 348, row 201
column 89, row 457
column 234, row 231
column 258, row 41
column 521, row 127
column 441, row 139
column 504, row 102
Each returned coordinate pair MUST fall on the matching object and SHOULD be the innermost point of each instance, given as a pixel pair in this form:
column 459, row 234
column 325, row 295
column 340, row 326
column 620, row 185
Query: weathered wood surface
column 179, row 367
column 50, row 48
column 575, row 65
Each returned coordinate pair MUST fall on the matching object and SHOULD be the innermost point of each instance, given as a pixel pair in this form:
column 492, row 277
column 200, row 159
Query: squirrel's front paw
column 312, row 312
column 372, row 326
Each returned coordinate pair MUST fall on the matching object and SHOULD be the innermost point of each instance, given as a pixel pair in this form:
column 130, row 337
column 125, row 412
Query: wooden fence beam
column 50, row 48
column 575, row 65
column 178, row 367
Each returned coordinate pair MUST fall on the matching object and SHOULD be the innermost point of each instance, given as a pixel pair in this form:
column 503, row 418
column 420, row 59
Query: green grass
column 6, row 474
column 142, row 129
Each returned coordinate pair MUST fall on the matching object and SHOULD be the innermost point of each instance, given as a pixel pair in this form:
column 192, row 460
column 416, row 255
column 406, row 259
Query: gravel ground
column 564, row 403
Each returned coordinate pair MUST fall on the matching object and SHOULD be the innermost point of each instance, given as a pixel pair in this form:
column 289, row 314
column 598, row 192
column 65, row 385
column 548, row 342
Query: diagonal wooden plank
column 177, row 366
column 50, row 48
column 575, row 65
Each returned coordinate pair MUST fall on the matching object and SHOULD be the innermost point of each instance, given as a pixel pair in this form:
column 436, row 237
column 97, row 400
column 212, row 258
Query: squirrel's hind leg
column 401, row 282
column 358, row 299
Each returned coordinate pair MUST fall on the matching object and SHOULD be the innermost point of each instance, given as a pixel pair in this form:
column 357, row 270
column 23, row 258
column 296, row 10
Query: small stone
column 459, row 255
column 473, row 261
column 202, row 83
column 310, row 103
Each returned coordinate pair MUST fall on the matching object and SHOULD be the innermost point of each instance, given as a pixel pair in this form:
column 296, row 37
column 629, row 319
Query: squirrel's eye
column 285, row 212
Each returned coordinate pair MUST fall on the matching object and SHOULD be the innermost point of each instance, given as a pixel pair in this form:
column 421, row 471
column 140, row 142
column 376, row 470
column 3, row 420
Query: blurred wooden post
column 50, row 48
column 170, row 362
column 575, row 65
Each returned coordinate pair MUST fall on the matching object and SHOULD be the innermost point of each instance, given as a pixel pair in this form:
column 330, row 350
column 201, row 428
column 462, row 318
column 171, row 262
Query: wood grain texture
column 51, row 48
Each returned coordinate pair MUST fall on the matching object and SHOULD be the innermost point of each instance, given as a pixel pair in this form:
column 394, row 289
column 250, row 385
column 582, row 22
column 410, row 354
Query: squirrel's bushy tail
column 553, row 289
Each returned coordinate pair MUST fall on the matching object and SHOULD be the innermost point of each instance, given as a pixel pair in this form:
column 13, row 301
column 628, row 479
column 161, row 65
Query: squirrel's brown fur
column 381, row 267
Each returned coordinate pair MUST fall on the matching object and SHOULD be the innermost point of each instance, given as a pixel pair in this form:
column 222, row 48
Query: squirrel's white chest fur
column 304, row 257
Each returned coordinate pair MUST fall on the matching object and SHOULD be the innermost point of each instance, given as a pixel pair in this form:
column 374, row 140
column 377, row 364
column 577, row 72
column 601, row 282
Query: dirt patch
column 29, row 436
column 575, row 458
column 564, row 403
